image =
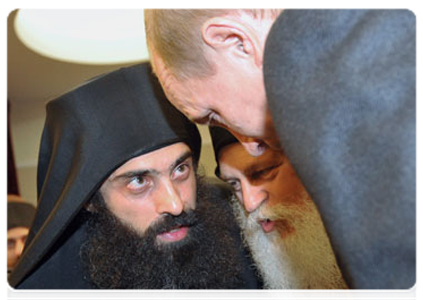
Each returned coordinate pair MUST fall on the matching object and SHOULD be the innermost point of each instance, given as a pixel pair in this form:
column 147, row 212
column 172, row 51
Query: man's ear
column 223, row 34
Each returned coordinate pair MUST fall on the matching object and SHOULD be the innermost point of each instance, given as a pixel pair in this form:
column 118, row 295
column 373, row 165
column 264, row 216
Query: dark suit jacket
column 341, row 88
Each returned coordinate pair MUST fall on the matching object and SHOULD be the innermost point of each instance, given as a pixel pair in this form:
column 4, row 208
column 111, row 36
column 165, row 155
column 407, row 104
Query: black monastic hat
column 220, row 138
column 88, row 133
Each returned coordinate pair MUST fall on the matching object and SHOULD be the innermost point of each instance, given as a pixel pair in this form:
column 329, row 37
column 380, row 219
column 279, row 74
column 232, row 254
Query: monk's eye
column 138, row 184
column 11, row 243
column 235, row 184
column 181, row 172
column 266, row 173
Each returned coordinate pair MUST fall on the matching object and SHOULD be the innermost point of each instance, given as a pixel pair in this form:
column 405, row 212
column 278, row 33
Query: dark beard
column 116, row 256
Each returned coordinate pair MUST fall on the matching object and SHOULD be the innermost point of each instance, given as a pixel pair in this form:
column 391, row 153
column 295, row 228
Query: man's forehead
column 177, row 92
column 17, row 232
column 235, row 156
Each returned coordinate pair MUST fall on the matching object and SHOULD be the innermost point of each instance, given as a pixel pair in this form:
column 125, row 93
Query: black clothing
column 220, row 139
column 341, row 89
column 89, row 132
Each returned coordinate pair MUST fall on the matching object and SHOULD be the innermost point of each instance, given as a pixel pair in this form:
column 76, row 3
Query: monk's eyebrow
column 144, row 172
column 135, row 173
column 250, row 170
column 180, row 159
column 260, row 166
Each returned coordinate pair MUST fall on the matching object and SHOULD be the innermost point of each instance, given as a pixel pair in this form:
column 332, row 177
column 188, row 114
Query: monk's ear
column 231, row 37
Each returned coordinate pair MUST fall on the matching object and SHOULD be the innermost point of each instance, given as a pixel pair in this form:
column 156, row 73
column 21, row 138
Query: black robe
column 341, row 89
column 89, row 132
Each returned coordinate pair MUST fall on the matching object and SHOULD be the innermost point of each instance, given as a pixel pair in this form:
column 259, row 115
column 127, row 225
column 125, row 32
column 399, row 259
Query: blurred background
column 50, row 52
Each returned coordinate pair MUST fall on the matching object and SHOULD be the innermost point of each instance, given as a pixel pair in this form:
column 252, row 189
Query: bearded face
column 295, row 255
column 280, row 222
column 118, row 256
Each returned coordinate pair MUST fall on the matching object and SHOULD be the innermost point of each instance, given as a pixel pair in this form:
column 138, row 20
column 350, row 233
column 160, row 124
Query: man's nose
column 253, row 197
column 169, row 200
column 253, row 146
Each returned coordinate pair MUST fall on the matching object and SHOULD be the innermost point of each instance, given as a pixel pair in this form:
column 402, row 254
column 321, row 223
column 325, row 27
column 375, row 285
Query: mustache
column 274, row 213
column 207, row 252
column 289, row 205
column 168, row 222
column 263, row 212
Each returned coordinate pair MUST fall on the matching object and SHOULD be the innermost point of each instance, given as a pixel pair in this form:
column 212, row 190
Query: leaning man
column 120, row 202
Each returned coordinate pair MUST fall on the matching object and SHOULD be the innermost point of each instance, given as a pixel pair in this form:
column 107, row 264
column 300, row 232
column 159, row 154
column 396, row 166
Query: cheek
column 141, row 217
column 188, row 192
column 232, row 117
column 12, row 258
column 294, row 184
column 137, row 213
column 242, row 115
column 289, row 188
column 242, row 122
column 11, row 254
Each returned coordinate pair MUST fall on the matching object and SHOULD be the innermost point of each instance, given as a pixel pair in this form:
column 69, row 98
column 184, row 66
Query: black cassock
column 88, row 133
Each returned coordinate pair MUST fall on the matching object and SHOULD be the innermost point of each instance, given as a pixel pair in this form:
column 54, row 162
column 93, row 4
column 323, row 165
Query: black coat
column 341, row 89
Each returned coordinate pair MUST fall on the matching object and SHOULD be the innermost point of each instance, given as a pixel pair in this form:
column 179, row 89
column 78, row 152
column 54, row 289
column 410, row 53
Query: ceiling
column 32, row 79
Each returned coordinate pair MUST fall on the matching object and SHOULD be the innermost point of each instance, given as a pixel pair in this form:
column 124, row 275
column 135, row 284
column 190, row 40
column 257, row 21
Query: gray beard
column 303, row 258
